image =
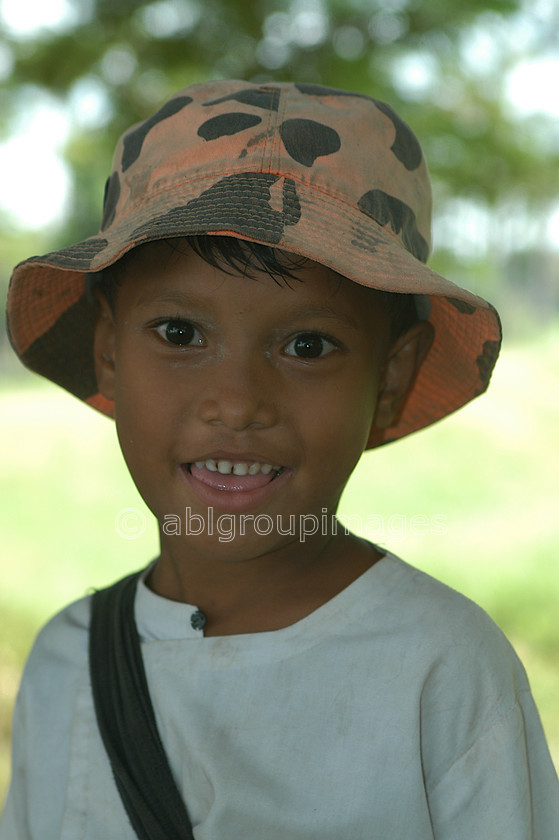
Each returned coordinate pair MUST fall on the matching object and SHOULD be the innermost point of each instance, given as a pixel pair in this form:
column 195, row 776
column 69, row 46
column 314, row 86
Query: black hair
column 235, row 255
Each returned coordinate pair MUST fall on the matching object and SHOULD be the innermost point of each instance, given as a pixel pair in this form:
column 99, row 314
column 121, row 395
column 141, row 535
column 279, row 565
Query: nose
column 239, row 394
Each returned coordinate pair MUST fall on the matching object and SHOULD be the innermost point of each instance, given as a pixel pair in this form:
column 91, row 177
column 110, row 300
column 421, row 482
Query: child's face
column 205, row 366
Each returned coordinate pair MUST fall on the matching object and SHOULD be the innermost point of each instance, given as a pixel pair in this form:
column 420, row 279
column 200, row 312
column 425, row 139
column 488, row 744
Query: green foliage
column 135, row 54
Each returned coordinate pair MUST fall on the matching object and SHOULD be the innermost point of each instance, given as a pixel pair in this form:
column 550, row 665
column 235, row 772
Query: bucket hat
column 328, row 174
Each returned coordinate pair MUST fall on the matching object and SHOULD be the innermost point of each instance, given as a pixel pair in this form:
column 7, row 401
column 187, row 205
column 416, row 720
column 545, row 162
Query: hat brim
column 51, row 320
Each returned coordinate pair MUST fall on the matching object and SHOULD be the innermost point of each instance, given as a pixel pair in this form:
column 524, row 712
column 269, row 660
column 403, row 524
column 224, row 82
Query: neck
column 242, row 591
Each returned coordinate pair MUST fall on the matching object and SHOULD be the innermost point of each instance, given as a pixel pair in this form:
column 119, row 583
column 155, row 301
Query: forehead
column 171, row 271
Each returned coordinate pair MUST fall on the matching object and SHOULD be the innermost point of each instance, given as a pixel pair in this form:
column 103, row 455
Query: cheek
column 146, row 447
column 142, row 415
column 139, row 445
column 341, row 419
column 346, row 436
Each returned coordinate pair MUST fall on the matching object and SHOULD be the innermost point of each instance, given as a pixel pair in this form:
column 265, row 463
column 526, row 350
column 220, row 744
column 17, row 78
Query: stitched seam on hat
column 302, row 183
column 256, row 173
column 267, row 165
column 279, row 121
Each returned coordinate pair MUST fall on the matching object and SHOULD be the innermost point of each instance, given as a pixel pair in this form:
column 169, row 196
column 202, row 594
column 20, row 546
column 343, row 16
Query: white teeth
column 236, row 467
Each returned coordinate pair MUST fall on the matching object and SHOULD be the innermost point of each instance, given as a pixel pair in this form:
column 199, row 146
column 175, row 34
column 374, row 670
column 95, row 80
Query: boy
column 255, row 312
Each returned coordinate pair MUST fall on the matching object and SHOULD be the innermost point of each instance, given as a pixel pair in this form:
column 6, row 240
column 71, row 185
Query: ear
column 403, row 362
column 104, row 349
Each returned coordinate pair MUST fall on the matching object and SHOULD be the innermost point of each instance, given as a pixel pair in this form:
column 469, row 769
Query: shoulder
column 471, row 679
column 480, row 732
column 453, row 647
column 436, row 614
column 59, row 659
column 54, row 678
column 60, row 652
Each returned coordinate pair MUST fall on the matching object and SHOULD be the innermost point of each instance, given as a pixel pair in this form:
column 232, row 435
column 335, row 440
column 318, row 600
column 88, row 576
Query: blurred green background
column 475, row 499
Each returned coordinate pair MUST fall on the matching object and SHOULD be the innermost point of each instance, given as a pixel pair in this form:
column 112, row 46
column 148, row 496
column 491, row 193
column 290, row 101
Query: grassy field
column 474, row 501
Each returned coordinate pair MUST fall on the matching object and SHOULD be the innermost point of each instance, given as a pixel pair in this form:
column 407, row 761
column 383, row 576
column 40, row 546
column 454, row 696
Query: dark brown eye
column 309, row 346
column 180, row 333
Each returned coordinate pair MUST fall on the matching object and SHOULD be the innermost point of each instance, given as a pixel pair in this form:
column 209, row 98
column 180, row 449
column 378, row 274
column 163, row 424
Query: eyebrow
column 182, row 299
column 175, row 298
column 324, row 311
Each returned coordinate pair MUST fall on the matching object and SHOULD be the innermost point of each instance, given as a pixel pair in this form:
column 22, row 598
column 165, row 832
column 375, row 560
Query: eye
column 309, row 346
column 180, row 333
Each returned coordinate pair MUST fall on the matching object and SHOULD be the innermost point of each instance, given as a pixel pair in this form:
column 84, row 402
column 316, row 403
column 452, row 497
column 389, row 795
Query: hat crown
column 348, row 146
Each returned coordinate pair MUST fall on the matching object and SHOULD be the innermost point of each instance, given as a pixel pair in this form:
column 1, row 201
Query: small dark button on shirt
column 197, row 620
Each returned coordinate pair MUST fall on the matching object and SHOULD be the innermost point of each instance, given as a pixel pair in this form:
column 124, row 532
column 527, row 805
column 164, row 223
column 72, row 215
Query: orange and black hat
column 328, row 174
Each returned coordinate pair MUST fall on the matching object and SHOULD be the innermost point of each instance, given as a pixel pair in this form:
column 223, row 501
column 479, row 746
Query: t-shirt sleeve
column 487, row 768
column 42, row 726
column 9, row 823
column 13, row 821
column 503, row 786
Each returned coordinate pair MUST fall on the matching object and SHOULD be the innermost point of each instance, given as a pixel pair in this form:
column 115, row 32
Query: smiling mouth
column 234, row 476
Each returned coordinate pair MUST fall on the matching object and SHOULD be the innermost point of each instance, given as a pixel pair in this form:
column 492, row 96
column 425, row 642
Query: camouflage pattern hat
column 334, row 176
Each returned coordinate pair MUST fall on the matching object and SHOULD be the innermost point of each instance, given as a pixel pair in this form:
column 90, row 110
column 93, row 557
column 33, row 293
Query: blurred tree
column 441, row 63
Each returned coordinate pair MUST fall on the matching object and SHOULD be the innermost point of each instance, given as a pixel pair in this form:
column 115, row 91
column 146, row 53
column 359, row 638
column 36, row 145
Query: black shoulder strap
column 127, row 721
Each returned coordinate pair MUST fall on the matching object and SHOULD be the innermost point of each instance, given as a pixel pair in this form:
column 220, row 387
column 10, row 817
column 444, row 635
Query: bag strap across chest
column 126, row 718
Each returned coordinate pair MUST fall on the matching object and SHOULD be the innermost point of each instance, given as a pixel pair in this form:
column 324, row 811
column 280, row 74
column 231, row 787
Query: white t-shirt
column 396, row 711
